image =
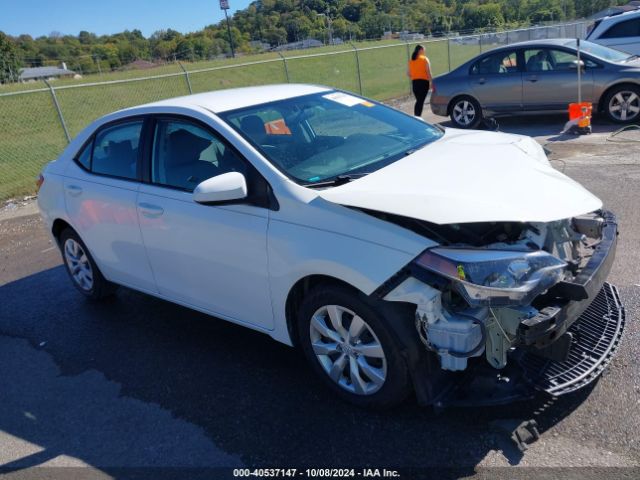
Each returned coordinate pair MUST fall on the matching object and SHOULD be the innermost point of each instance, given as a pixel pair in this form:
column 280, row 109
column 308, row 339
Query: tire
column 465, row 112
column 622, row 104
column 379, row 380
column 82, row 269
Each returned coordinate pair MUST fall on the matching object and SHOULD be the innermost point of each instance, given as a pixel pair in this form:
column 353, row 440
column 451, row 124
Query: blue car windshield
column 599, row 51
column 317, row 138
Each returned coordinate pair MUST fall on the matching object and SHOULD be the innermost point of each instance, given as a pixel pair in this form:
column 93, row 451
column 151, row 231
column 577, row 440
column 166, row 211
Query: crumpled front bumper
column 564, row 348
column 595, row 335
column 568, row 300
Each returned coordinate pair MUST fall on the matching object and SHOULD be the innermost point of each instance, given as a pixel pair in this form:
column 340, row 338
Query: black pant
column 420, row 90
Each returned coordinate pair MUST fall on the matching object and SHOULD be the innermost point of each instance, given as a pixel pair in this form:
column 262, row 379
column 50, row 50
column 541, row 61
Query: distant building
column 259, row 45
column 46, row 73
column 407, row 36
column 308, row 43
column 139, row 65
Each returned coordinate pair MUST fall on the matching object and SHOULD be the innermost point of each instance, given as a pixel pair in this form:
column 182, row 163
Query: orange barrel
column 581, row 111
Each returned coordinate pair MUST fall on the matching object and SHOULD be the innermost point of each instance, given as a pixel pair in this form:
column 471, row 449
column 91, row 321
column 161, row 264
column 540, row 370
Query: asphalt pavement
column 136, row 384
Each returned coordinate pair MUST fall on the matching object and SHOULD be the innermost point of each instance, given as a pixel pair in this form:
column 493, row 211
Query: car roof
column 545, row 42
column 621, row 15
column 234, row 98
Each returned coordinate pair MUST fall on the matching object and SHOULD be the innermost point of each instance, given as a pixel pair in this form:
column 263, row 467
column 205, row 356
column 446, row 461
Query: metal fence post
column 57, row 105
column 286, row 69
column 186, row 76
column 406, row 42
column 355, row 50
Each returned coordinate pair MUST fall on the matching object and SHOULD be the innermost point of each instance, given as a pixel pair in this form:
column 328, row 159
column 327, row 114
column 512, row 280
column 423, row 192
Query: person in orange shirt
column 420, row 73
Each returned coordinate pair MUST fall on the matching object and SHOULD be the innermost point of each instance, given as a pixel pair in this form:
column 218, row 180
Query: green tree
column 9, row 63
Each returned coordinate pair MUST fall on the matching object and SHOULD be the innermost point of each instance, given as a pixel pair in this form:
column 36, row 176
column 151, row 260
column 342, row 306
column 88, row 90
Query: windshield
column 600, row 51
column 592, row 27
column 320, row 137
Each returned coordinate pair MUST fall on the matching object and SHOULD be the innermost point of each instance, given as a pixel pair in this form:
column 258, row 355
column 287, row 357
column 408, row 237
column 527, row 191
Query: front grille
column 596, row 336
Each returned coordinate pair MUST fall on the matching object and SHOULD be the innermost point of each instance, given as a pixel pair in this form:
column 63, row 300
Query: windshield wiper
column 631, row 57
column 336, row 181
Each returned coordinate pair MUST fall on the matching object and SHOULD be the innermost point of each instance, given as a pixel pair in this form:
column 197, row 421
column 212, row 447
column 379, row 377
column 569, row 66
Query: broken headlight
column 494, row 277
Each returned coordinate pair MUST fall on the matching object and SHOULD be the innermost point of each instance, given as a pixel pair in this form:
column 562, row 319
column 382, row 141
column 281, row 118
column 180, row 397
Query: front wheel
column 465, row 113
column 622, row 104
column 351, row 347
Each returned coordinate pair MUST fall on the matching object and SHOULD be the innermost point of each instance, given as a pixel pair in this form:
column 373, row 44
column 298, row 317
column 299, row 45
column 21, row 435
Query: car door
column 100, row 196
column 623, row 35
column 211, row 257
column 496, row 81
column 550, row 80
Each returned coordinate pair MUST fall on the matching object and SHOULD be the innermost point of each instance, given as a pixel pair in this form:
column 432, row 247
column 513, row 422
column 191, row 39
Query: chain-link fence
column 37, row 120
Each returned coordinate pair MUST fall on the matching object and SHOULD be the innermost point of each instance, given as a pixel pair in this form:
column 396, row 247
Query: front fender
column 296, row 252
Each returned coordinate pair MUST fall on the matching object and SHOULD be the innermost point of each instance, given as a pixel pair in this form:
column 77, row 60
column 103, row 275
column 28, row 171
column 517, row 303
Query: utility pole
column 97, row 58
column 329, row 29
column 224, row 5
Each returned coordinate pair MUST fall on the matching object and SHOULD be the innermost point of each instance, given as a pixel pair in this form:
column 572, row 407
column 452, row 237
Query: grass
column 31, row 133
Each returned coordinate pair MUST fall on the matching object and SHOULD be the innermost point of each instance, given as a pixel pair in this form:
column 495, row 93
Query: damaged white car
column 398, row 256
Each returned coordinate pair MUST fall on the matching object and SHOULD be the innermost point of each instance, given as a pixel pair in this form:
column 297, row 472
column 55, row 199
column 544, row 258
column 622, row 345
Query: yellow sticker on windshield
column 367, row 104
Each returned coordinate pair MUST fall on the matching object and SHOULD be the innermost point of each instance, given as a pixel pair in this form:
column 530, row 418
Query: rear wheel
column 465, row 112
column 351, row 347
column 622, row 104
column 82, row 269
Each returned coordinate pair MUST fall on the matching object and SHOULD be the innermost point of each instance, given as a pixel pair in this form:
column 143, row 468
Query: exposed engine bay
column 491, row 287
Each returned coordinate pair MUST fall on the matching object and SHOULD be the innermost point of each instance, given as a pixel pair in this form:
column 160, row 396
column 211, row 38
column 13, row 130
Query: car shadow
column 541, row 125
column 255, row 400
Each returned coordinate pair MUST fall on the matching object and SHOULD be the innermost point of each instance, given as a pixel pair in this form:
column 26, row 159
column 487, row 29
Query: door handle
column 73, row 190
column 532, row 79
column 150, row 211
column 482, row 81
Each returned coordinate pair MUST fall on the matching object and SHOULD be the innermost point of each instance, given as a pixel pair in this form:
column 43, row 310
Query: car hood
column 470, row 176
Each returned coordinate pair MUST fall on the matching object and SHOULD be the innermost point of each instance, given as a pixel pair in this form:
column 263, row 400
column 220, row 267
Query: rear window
column 628, row 28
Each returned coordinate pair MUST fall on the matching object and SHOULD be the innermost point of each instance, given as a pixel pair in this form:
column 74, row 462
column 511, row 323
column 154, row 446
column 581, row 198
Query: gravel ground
column 138, row 382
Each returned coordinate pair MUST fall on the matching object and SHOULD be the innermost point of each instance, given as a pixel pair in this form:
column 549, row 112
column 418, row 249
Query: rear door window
column 115, row 150
column 498, row 63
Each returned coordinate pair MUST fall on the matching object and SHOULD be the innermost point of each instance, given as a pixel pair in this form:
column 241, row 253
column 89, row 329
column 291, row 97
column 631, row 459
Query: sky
column 40, row 17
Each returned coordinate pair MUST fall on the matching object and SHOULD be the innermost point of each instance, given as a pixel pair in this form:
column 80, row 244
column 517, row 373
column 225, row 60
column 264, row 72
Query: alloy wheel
column 78, row 263
column 624, row 105
column 464, row 113
column 348, row 350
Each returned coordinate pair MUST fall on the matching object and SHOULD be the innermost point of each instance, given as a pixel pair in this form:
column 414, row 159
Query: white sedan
column 392, row 252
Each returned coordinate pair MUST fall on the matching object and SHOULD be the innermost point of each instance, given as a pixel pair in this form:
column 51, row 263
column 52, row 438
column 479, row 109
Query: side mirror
column 221, row 188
